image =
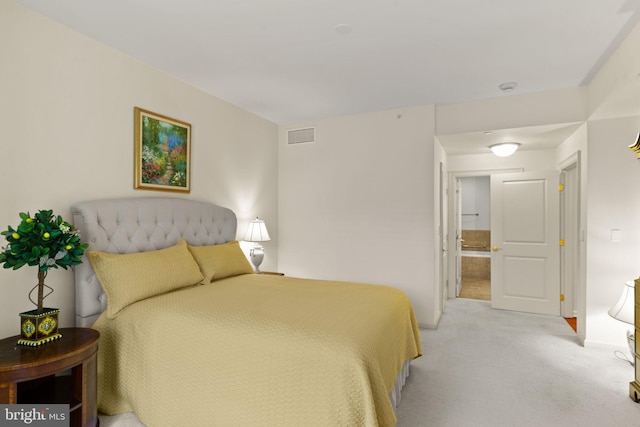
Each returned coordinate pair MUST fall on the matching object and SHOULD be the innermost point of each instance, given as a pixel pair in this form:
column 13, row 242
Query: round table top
column 75, row 344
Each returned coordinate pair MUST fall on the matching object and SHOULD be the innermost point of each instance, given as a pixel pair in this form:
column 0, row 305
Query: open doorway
column 470, row 199
column 478, row 196
column 475, row 238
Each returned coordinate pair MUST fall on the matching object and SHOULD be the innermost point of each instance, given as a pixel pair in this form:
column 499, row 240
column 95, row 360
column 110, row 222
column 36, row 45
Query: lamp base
column 634, row 391
column 257, row 255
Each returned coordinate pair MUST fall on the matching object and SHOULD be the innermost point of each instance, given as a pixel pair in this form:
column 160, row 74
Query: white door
column 525, row 236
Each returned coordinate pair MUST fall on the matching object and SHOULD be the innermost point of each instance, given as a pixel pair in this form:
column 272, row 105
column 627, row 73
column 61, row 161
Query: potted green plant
column 45, row 241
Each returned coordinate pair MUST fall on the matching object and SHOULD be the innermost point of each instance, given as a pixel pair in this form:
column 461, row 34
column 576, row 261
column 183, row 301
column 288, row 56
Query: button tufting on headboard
column 136, row 225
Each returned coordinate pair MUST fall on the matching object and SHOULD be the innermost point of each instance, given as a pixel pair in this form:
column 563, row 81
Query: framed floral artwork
column 162, row 152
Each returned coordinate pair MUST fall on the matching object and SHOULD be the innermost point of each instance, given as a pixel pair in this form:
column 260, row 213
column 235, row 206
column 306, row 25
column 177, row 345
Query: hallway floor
column 479, row 289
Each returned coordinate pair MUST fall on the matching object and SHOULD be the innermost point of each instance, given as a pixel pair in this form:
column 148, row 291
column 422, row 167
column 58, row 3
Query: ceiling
column 295, row 60
column 531, row 138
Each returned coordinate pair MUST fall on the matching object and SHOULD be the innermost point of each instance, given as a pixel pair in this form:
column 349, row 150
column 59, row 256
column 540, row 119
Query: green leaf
column 31, row 245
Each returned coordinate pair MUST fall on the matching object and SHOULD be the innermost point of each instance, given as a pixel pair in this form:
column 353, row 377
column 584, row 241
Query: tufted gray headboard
column 140, row 224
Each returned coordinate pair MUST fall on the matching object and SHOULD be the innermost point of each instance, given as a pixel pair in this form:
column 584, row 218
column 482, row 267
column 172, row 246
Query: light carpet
column 485, row 367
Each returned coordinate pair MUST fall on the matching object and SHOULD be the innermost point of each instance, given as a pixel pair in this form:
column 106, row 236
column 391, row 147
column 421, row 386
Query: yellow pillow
column 220, row 261
column 128, row 278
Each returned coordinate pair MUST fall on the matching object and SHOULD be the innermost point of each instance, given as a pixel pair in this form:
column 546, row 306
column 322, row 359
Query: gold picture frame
column 162, row 152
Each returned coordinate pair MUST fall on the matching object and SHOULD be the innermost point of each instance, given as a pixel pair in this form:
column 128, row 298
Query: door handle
column 495, row 248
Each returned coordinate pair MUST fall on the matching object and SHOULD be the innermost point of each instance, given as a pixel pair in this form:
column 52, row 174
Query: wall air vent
column 301, row 136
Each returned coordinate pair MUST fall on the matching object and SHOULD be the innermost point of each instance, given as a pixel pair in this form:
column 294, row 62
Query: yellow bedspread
column 258, row 350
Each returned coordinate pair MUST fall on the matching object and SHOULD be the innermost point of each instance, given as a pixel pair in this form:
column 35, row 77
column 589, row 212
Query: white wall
column 521, row 160
column 613, row 203
column 615, row 89
column 358, row 204
column 576, row 142
column 476, row 203
column 441, row 278
column 513, row 111
column 575, row 149
column 67, row 135
column 612, row 191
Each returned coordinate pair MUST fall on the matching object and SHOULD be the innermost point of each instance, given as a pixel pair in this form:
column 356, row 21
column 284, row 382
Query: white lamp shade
column 257, row 232
column 623, row 310
column 505, row 149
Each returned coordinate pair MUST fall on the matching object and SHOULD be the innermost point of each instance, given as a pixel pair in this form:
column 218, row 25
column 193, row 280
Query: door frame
column 455, row 214
column 443, row 238
column 570, row 232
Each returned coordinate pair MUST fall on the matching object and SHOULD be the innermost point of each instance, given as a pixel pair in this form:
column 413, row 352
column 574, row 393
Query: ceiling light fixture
column 504, row 149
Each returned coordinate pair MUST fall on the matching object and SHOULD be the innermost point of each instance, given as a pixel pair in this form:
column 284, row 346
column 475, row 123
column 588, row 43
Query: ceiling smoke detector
column 342, row 29
column 507, row 87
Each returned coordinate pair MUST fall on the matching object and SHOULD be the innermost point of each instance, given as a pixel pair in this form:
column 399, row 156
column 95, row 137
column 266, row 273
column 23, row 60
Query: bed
column 191, row 336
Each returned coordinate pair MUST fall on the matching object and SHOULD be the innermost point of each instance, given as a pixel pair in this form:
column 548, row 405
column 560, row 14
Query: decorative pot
column 39, row 328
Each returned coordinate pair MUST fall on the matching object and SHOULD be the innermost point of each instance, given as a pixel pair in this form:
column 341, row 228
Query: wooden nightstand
column 37, row 374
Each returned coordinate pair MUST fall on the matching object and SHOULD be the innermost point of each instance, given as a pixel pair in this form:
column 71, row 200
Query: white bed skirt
column 395, row 394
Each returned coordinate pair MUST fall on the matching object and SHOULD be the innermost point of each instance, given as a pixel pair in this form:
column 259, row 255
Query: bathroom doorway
column 477, row 200
column 475, row 237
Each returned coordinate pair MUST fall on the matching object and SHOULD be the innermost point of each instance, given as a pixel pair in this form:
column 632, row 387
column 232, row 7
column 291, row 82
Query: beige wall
column 358, row 203
column 361, row 204
column 66, row 114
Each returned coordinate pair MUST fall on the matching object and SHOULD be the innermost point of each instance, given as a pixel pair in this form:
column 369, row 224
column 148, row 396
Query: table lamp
column 257, row 232
column 623, row 310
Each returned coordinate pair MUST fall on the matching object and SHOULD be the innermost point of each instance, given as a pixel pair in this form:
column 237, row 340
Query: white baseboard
column 431, row 325
column 604, row 345
column 423, row 325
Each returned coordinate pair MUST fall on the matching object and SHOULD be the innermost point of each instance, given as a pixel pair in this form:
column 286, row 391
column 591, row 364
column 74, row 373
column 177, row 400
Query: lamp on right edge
column 257, row 232
column 623, row 311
